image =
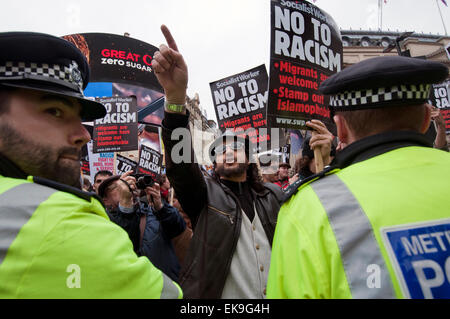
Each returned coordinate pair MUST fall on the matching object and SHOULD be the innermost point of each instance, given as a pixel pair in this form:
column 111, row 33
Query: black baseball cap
column 104, row 185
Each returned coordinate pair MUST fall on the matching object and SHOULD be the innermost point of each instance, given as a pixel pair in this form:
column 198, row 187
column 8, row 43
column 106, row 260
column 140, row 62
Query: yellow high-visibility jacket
column 58, row 242
column 379, row 228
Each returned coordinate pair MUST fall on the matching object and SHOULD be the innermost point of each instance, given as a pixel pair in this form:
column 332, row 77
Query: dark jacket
column 160, row 227
column 216, row 217
column 129, row 222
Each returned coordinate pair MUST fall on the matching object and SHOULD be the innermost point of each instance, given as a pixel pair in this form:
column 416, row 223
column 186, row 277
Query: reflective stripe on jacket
column 333, row 237
column 54, row 244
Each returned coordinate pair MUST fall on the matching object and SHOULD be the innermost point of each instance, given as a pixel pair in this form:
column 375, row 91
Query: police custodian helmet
column 383, row 82
column 46, row 63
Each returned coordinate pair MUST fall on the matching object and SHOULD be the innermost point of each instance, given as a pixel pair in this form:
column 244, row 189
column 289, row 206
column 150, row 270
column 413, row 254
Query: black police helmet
column 46, row 63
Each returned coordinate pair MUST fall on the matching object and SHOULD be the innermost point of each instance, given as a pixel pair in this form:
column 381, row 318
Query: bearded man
column 55, row 238
column 233, row 213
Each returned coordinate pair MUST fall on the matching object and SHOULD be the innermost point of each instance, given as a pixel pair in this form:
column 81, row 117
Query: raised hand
column 127, row 185
column 171, row 70
column 154, row 196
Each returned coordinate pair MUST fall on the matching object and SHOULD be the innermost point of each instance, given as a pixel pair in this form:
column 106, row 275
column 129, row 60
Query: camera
column 143, row 181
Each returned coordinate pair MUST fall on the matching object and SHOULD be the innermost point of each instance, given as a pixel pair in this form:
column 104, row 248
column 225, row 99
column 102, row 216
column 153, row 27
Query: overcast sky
column 218, row 38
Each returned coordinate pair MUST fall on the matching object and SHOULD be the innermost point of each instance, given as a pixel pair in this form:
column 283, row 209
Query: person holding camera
column 134, row 202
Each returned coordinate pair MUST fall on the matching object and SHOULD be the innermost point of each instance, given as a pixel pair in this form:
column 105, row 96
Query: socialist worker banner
column 306, row 48
column 240, row 103
column 440, row 98
column 117, row 131
column 124, row 164
column 150, row 162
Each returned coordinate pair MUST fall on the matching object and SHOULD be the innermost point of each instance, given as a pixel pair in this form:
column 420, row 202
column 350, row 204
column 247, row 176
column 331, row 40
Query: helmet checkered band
column 376, row 96
column 70, row 75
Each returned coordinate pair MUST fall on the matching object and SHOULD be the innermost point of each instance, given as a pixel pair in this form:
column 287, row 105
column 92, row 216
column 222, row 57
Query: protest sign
column 306, row 48
column 240, row 102
column 240, row 99
column 446, row 114
column 117, row 131
column 124, row 164
column 440, row 98
column 150, row 161
column 85, row 169
column 285, row 152
column 99, row 161
column 150, row 136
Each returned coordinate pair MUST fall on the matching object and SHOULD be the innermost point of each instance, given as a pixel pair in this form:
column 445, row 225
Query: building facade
column 361, row 45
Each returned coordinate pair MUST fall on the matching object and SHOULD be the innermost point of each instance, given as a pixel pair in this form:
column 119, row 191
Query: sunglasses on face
column 235, row 146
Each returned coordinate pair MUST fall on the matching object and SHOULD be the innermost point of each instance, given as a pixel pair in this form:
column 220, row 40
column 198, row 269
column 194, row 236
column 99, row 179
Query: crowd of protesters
column 232, row 209
column 204, row 232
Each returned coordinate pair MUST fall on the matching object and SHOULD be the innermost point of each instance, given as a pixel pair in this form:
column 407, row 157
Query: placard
column 117, row 131
column 306, row 48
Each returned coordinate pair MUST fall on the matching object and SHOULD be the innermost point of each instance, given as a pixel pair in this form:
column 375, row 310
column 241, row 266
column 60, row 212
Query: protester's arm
column 127, row 185
column 126, row 215
column 184, row 174
column 128, row 218
column 171, row 221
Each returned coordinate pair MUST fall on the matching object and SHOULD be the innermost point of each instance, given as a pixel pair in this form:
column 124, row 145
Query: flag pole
column 379, row 15
column 442, row 19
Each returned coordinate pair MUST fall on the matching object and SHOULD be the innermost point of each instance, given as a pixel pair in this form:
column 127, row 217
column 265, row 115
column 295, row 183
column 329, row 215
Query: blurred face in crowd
column 269, row 173
column 98, row 180
column 270, row 178
column 112, row 196
column 231, row 161
column 283, row 172
column 43, row 135
column 165, row 184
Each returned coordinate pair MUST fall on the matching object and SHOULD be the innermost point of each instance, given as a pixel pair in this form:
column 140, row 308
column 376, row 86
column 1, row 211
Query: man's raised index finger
column 169, row 38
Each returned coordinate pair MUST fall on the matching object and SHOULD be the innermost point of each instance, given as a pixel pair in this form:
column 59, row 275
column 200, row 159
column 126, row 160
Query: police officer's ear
column 344, row 133
column 426, row 118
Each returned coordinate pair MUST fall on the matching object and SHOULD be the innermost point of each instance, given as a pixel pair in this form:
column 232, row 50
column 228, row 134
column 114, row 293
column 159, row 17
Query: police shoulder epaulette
column 66, row 188
column 293, row 188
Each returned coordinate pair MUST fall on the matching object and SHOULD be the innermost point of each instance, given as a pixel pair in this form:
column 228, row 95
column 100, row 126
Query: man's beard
column 38, row 159
column 230, row 172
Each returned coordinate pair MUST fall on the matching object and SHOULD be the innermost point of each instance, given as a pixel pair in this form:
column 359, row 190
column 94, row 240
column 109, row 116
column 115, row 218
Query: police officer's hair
column 4, row 98
column 373, row 121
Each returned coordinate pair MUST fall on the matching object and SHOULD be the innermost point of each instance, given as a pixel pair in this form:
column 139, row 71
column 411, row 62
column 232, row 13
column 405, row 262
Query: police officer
column 376, row 223
column 55, row 240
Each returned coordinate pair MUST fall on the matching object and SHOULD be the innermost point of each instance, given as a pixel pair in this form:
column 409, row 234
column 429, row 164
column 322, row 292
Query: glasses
column 235, row 146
